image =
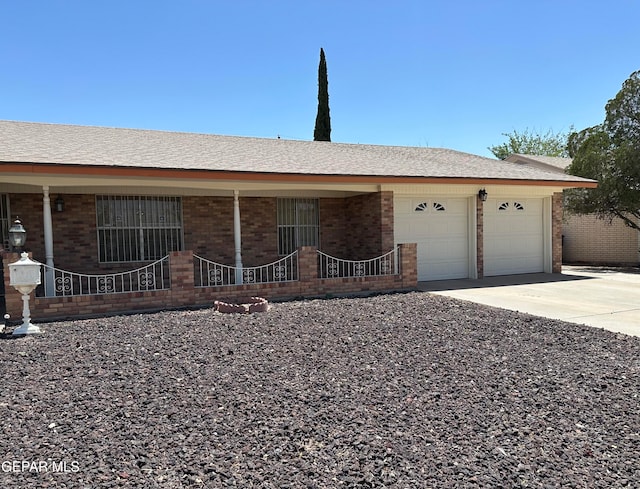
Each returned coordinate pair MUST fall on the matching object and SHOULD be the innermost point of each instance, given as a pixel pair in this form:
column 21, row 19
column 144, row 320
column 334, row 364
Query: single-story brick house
column 588, row 239
column 211, row 212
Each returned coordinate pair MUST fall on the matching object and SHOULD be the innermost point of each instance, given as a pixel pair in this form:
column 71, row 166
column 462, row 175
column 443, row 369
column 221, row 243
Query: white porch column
column 237, row 236
column 48, row 241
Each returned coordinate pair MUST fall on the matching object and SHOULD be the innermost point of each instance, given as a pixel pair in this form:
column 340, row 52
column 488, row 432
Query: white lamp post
column 24, row 276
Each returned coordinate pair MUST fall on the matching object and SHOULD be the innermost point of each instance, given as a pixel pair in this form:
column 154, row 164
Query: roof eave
column 178, row 173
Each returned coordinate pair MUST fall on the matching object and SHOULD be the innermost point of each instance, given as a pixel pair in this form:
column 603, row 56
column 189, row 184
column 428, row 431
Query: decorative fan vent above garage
column 516, row 206
column 421, row 207
column 437, row 206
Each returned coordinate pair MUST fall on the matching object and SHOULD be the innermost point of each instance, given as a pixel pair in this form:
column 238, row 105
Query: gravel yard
column 405, row 390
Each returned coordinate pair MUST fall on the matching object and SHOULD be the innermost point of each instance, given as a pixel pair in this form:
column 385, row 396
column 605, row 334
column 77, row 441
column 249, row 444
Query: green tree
column 610, row 154
column 532, row 143
column 322, row 131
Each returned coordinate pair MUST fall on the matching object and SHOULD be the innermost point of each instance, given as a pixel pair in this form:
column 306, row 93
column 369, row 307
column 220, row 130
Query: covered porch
column 274, row 239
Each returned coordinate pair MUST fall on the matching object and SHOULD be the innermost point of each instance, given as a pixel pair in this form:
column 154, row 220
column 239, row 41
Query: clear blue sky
column 438, row 73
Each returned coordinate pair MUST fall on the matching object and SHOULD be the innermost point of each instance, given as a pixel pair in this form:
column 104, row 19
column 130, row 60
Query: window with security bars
column 132, row 228
column 4, row 220
column 298, row 224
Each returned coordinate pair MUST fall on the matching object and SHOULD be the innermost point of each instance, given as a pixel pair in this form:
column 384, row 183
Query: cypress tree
column 322, row 131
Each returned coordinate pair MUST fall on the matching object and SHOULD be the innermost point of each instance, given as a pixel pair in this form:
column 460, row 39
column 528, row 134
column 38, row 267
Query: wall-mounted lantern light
column 17, row 235
column 482, row 195
column 59, row 204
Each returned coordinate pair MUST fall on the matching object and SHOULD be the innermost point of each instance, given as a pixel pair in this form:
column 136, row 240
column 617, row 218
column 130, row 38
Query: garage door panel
column 440, row 229
column 519, row 226
column 455, row 206
column 530, row 247
column 451, row 228
column 442, row 271
column 524, row 224
column 518, row 265
column 513, row 236
column 533, row 207
column 453, row 248
column 496, row 247
column 401, row 228
column 445, row 249
column 437, row 268
column 402, row 206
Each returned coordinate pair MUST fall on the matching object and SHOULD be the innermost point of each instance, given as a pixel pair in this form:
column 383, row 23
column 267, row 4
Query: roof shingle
column 28, row 142
column 557, row 162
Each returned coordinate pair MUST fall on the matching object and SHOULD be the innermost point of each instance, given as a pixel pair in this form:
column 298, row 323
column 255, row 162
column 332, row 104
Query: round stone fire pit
column 242, row 305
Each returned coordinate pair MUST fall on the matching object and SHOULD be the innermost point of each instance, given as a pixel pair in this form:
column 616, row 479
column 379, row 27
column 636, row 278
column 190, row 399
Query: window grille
column 505, row 206
column 132, row 228
column 4, row 220
column 424, row 206
column 298, row 224
column 421, row 207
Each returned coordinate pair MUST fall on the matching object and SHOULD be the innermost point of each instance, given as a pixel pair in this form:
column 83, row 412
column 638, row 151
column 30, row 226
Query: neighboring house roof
column 88, row 146
column 552, row 163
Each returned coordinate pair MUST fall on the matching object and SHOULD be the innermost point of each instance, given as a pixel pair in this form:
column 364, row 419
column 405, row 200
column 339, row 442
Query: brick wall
column 183, row 293
column 351, row 228
column 75, row 236
column 180, row 294
column 182, row 278
column 556, row 232
column 259, row 230
column 309, row 285
column 409, row 264
column 208, row 229
column 480, row 237
column 333, row 227
column 363, row 221
column 28, row 207
column 588, row 239
column 358, row 227
column 386, row 222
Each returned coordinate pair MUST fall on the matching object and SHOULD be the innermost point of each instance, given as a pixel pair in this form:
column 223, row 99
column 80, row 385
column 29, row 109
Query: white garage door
column 513, row 236
column 440, row 229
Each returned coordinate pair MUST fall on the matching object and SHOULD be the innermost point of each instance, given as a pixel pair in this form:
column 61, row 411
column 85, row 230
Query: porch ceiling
column 65, row 184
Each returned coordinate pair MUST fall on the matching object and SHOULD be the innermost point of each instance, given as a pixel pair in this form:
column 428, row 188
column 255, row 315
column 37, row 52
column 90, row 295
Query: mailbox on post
column 24, row 276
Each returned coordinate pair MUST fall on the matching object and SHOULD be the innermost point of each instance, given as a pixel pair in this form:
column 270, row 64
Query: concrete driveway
column 603, row 297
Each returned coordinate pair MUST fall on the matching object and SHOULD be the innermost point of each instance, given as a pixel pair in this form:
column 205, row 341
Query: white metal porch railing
column 332, row 267
column 208, row 273
column 56, row 282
